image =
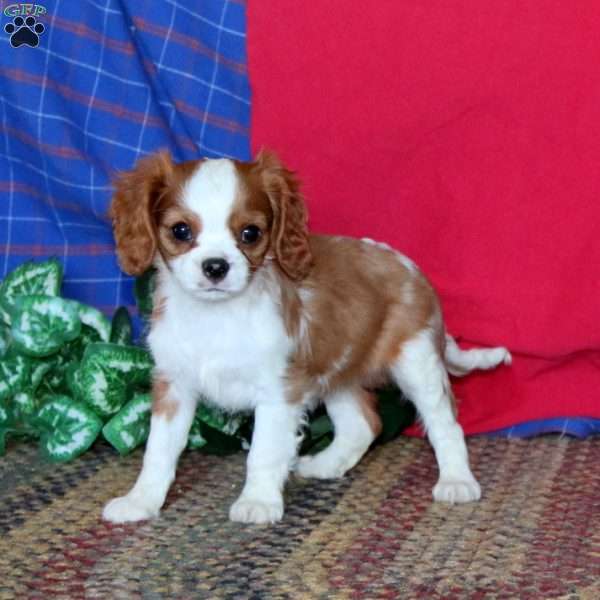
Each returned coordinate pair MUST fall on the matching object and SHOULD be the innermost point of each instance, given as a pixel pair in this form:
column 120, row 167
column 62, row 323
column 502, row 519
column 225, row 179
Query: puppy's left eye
column 182, row 232
column 250, row 234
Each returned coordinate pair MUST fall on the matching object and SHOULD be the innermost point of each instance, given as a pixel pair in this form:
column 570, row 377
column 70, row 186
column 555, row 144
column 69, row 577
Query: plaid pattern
column 109, row 82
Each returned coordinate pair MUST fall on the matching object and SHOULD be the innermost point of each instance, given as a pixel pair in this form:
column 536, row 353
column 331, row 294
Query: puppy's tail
column 461, row 362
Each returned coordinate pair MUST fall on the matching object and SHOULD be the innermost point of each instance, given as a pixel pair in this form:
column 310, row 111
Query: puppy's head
column 213, row 223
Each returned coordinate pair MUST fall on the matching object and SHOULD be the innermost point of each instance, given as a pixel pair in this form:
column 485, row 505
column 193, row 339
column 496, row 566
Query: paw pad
column 24, row 31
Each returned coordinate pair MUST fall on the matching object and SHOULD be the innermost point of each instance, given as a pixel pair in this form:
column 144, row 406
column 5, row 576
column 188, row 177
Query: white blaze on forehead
column 211, row 192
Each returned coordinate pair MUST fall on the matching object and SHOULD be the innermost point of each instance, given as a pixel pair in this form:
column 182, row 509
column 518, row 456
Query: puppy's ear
column 136, row 196
column 289, row 235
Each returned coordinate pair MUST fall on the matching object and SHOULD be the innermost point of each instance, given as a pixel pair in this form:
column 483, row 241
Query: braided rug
column 374, row 534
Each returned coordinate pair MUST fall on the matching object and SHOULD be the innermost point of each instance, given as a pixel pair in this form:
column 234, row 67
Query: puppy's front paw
column 253, row 510
column 128, row 509
column 456, row 491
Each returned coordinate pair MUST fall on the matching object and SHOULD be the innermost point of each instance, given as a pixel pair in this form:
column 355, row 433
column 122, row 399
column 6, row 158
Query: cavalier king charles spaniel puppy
column 254, row 313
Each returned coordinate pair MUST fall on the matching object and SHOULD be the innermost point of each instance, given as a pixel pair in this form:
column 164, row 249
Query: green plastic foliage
column 39, row 370
column 25, row 406
column 318, row 434
column 72, row 379
column 5, row 339
column 30, row 279
column 17, row 417
column 68, row 428
column 195, row 438
column 108, row 372
column 220, row 420
column 144, row 292
column 44, row 378
column 130, row 426
column 121, row 331
column 3, row 428
column 42, row 324
column 95, row 319
column 14, row 374
column 216, row 431
column 5, row 317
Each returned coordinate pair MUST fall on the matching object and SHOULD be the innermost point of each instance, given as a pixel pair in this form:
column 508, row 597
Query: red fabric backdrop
column 467, row 135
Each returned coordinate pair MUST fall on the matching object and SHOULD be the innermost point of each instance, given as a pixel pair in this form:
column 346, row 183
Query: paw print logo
column 24, row 31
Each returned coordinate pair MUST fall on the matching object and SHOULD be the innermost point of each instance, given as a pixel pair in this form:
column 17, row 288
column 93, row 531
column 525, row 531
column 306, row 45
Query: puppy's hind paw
column 127, row 510
column 319, row 468
column 456, row 491
column 251, row 510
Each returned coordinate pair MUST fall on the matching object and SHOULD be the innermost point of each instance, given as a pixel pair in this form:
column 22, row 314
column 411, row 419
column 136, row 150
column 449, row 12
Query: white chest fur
column 232, row 352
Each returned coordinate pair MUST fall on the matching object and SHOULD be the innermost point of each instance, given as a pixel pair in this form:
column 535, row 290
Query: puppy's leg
column 356, row 424
column 274, row 446
column 420, row 372
column 173, row 412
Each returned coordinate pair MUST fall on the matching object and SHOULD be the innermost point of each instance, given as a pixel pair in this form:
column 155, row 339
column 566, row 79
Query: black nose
column 215, row 268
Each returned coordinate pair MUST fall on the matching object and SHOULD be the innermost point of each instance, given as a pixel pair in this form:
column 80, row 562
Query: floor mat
column 374, row 534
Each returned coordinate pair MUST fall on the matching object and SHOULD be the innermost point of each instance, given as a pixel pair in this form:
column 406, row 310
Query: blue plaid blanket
column 86, row 88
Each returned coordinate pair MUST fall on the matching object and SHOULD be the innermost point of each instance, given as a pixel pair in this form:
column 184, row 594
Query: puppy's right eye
column 182, row 232
column 250, row 234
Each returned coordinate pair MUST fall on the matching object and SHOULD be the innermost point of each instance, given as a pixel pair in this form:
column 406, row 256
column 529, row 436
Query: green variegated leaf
column 130, row 426
column 57, row 380
column 95, row 319
column 3, row 415
column 73, row 379
column 48, row 374
column 195, row 438
column 31, row 278
column 220, row 420
column 42, row 324
column 319, row 433
column 5, row 339
column 215, row 430
column 25, row 405
column 39, row 370
column 217, row 442
column 5, row 317
column 74, row 350
column 18, row 409
column 144, row 292
column 108, row 371
column 121, row 329
column 88, row 336
column 4, row 426
column 14, row 374
column 68, row 428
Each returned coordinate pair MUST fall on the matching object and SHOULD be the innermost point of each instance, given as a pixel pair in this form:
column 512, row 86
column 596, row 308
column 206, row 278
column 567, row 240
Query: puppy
column 254, row 313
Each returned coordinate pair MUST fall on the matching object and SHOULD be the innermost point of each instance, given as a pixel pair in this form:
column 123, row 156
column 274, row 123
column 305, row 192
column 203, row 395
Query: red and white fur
column 254, row 313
